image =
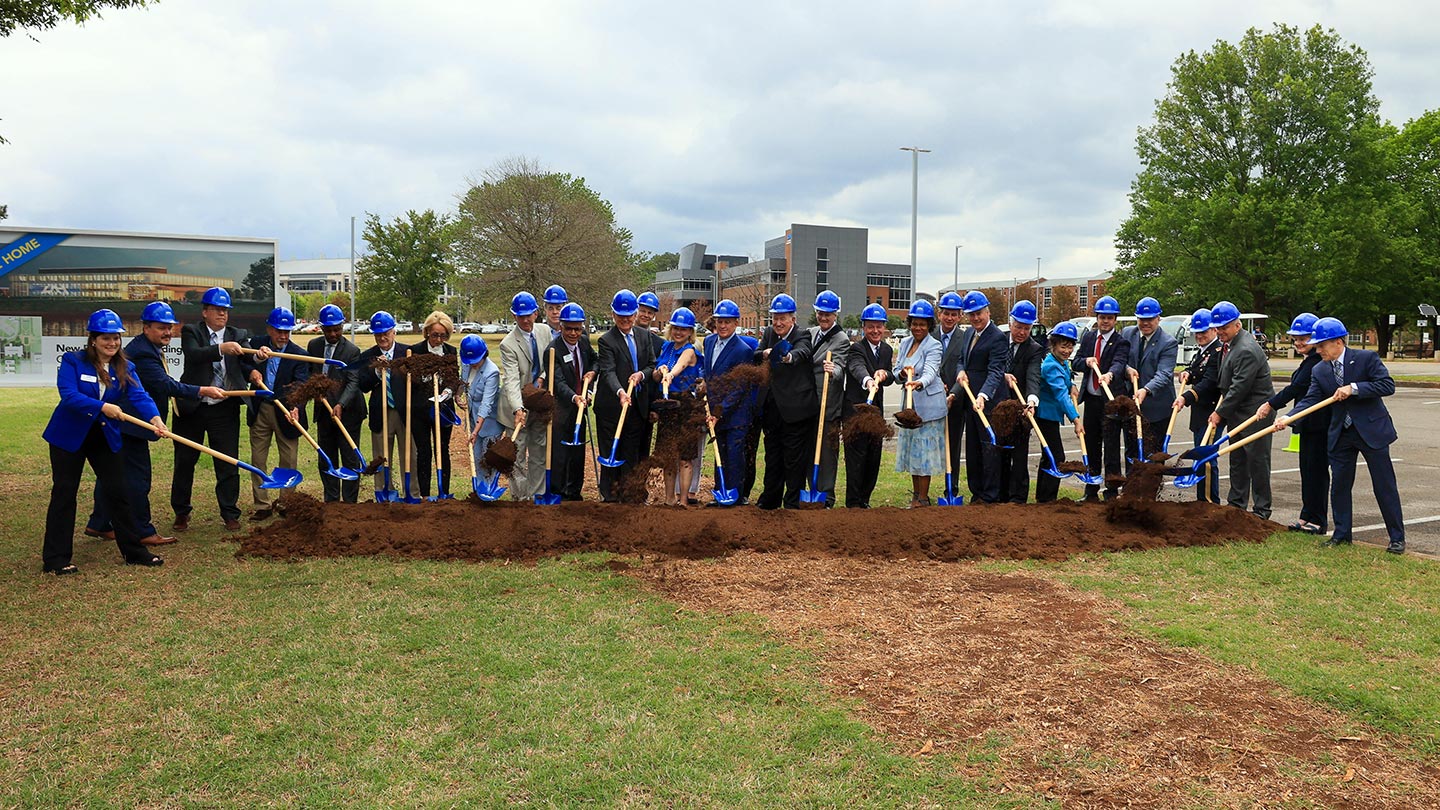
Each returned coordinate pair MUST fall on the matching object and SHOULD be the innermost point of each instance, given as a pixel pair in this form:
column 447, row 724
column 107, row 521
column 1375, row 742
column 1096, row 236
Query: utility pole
column 914, row 211
column 352, row 275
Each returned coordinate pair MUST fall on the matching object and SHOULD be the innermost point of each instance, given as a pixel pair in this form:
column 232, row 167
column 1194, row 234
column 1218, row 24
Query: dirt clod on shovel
column 909, row 419
column 1071, row 467
column 538, row 401
column 314, row 388
column 1122, row 406
column 1006, row 418
column 867, row 425
column 500, row 455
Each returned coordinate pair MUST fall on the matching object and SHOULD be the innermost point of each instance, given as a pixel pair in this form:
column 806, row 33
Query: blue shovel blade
column 282, row 478
column 1052, row 469
column 611, row 461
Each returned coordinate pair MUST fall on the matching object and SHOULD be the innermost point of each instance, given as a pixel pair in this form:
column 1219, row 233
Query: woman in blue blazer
column 1055, row 404
column 482, row 392
column 86, row 427
column 922, row 450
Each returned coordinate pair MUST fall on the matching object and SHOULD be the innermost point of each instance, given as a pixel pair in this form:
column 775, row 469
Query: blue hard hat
column 874, row 312
column 624, row 303
column 158, row 312
column 1147, row 307
column 1023, row 312
column 781, row 304
column 683, row 317
column 1065, row 329
column 951, row 300
column 727, row 309
column 1327, row 329
column 921, row 309
column 572, row 313
column 1200, row 321
column 473, row 349
column 216, row 297
column 650, row 299
column 1223, row 313
column 1107, row 305
column 281, row 318
column 555, row 294
column 106, row 322
column 331, row 315
column 1304, row 324
column 827, row 301
column 381, row 322
column 974, row 301
column 523, row 304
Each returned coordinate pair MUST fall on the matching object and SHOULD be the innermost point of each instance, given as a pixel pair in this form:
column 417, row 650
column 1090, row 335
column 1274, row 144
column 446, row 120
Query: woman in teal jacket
column 1056, row 405
column 86, row 427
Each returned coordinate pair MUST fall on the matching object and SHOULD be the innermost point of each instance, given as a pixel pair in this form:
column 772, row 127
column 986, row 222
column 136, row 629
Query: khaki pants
column 267, row 428
column 390, row 448
column 529, row 475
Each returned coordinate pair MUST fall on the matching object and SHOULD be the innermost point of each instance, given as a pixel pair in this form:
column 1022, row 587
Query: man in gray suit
column 1153, row 352
column 829, row 337
column 1244, row 386
column 521, row 363
column 347, row 405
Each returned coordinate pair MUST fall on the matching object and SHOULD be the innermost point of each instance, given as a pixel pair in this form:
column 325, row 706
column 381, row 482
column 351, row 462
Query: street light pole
column 914, row 209
column 957, row 267
column 1039, row 299
column 352, row 275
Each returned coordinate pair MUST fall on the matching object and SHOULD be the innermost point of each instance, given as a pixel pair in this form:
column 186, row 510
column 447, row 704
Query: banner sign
column 26, row 248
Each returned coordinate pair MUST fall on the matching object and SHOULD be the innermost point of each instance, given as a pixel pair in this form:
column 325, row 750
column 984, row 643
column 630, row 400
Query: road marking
column 1409, row 522
column 1297, row 469
column 1433, row 402
column 1075, row 454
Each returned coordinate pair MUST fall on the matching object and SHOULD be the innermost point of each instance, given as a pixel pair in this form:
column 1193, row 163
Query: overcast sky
column 719, row 123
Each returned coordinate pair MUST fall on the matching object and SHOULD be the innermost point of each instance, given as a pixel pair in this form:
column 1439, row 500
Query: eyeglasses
column 441, row 335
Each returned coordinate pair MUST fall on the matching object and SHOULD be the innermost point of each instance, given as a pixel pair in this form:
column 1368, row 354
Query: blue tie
column 715, row 356
column 389, row 386
column 634, row 358
column 271, row 367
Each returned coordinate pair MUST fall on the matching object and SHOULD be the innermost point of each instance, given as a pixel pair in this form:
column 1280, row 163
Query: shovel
column 304, row 358
column 610, row 460
column 1053, row 469
column 1174, row 412
column 388, row 493
column 949, row 498
column 409, row 441
column 579, row 414
column 965, row 384
column 1194, row 477
column 325, row 403
column 1204, row 440
column 722, row 495
column 1208, row 450
column 548, row 498
column 330, row 468
column 814, row 493
column 282, row 478
column 440, row 452
column 1087, row 477
column 1139, row 420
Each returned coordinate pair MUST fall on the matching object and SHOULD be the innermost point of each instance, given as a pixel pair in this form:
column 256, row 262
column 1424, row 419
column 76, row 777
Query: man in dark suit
column 389, row 411
column 626, row 359
column 146, row 352
column 212, row 358
column 348, row 405
column 828, row 338
column 1203, row 377
column 1359, row 424
column 1245, row 385
column 1023, row 357
column 867, row 367
column 1314, row 430
column 265, row 417
column 791, row 409
column 1102, row 358
column 575, row 363
column 645, row 319
column 1153, row 353
column 949, row 311
column 732, row 406
column 981, row 366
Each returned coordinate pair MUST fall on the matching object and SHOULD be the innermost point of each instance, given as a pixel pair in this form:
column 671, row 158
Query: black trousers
column 1105, row 453
column 1314, row 479
column 982, row 460
column 135, row 458
column 1047, row 486
column 955, row 417
column 424, row 434
column 730, row 449
column 862, row 471
column 1154, row 435
column 634, row 445
column 221, row 423
column 328, row 436
column 567, row 464
column 788, row 449
column 1015, row 465
column 752, row 450
column 65, row 470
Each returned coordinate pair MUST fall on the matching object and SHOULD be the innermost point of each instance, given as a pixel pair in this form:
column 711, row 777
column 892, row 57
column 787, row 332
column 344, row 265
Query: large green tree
column 649, row 265
column 42, row 15
column 407, row 265
column 1254, row 149
column 521, row 227
column 259, row 283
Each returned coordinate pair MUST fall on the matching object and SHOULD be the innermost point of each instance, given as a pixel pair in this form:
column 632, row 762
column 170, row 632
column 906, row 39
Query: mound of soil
column 471, row 530
column 500, row 455
column 1007, row 417
column 1122, row 406
column 539, row 402
column 908, row 419
column 867, row 425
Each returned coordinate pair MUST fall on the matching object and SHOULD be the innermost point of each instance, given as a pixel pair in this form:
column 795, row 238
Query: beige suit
column 515, row 371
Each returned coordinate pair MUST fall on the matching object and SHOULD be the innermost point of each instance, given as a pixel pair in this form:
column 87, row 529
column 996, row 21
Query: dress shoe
column 232, row 525
column 157, row 540
column 262, row 514
column 150, row 561
column 1307, row 528
column 108, row 534
column 1338, row 541
column 1396, row 547
column 182, row 522
column 63, row 570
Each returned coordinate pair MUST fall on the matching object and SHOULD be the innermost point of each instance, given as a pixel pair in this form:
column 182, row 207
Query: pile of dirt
column 1124, row 407
column 867, row 425
column 736, row 386
column 317, row 386
column 679, row 430
column 539, row 403
column 448, row 530
column 500, row 455
column 1007, row 418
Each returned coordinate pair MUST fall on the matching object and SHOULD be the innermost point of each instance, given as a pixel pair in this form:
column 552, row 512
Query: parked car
column 469, row 326
column 405, row 326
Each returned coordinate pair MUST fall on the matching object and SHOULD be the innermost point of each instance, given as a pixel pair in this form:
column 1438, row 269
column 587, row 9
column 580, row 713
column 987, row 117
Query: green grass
column 1428, row 378
column 374, row 682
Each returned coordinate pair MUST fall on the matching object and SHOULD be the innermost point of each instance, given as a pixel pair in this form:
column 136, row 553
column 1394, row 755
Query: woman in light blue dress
column 917, row 365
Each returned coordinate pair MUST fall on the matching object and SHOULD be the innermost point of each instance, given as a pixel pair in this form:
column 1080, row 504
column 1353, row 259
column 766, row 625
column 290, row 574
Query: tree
column 1253, row 148
column 46, row 14
column 649, row 265
column 523, row 228
column 405, row 270
column 1064, row 304
column 259, row 283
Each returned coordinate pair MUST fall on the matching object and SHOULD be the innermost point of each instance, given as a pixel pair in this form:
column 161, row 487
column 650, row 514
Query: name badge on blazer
column 89, row 378
column 566, row 359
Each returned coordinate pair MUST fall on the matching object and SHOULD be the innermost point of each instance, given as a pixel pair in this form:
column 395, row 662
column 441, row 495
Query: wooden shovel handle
column 343, row 432
column 286, row 413
column 625, row 406
column 182, row 440
column 986, row 422
column 304, row 358
column 1036, row 425
column 820, row 430
column 1210, row 429
column 1174, row 412
column 1324, row 403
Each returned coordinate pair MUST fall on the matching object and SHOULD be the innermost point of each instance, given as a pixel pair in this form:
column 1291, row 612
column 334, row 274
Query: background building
column 1058, row 299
